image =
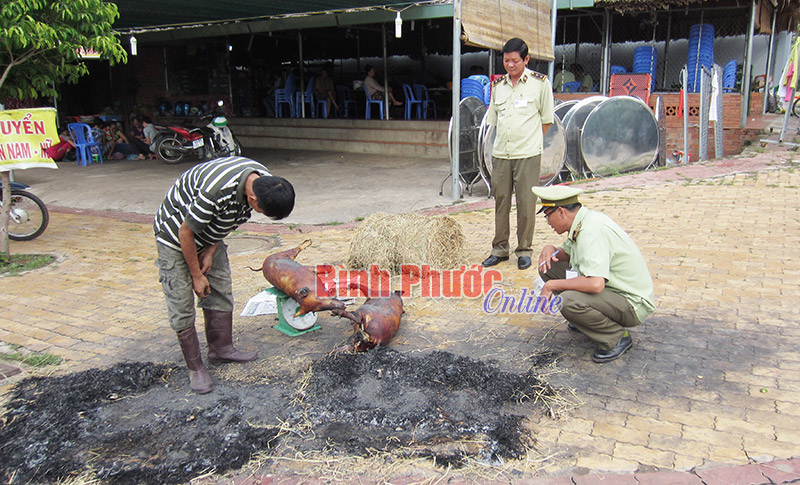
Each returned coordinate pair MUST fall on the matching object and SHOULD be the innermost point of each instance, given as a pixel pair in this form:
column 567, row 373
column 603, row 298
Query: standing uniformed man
column 522, row 110
column 598, row 271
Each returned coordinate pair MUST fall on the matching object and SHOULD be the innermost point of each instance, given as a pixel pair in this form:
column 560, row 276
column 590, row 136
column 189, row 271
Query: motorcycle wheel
column 237, row 148
column 169, row 150
column 796, row 107
column 28, row 217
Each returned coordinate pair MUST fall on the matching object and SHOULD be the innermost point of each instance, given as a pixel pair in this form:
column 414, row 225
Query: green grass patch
column 19, row 263
column 41, row 359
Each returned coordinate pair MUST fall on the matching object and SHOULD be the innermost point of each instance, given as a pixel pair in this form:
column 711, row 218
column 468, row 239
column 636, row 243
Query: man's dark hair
column 275, row 196
column 572, row 207
column 368, row 68
column 516, row 45
column 147, row 120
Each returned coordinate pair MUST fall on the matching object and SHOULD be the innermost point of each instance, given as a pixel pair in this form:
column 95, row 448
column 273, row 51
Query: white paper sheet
column 263, row 303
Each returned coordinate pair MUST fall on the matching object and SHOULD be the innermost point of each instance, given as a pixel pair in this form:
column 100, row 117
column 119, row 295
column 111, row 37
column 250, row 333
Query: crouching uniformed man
column 598, row 271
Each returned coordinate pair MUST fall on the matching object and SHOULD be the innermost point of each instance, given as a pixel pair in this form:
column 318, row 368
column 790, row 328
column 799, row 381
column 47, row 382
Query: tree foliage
column 40, row 42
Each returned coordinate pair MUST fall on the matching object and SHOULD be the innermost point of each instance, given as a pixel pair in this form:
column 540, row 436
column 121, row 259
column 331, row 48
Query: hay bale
column 391, row 241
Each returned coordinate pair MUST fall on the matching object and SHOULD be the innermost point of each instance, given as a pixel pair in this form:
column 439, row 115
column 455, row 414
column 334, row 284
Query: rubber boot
column 219, row 329
column 199, row 379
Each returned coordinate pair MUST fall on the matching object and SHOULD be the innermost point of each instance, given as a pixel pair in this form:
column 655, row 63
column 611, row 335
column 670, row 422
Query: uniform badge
column 577, row 231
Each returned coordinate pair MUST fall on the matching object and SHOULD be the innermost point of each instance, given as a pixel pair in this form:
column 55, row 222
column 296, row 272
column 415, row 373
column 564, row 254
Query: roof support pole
column 553, row 19
column 385, row 75
column 455, row 142
column 747, row 71
column 578, row 42
column 769, row 60
column 605, row 63
column 302, row 113
column 666, row 50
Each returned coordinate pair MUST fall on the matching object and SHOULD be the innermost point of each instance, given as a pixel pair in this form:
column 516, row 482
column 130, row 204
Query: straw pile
column 394, row 240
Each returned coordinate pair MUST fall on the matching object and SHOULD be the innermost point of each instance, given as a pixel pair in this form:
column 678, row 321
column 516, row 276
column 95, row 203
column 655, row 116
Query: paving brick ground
column 710, row 393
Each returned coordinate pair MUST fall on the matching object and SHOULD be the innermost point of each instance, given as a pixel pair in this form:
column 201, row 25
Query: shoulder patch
column 539, row 75
column 499, row 80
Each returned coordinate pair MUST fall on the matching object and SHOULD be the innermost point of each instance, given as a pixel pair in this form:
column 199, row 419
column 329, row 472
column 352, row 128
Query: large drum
column 573, row 124
column 472, row 112
column 554, row 147
column 562, row 108
column 619, row 135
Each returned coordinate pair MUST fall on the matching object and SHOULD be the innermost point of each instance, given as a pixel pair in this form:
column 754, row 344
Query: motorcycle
column 214, row 140
column 28, row 217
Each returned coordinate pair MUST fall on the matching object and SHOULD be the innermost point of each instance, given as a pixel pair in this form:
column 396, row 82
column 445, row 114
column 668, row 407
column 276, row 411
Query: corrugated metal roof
column 139, row 14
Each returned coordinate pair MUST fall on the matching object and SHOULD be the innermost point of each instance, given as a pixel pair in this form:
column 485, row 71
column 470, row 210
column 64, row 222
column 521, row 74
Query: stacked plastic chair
column 306, row 98
column 700, row 53
column 645, row 60
column 729, row 76
column 285, row 96
column 422, row 94
column 472, row 87
column 571, row 87
column 618, row 70
column 411, row 102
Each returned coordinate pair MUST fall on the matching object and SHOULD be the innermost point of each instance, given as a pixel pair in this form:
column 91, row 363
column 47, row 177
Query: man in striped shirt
column 204, row 205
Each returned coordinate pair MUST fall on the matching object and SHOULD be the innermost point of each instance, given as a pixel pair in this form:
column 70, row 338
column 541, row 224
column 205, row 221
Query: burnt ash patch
column 139, row 423
column 120, row 423
column 427, row 405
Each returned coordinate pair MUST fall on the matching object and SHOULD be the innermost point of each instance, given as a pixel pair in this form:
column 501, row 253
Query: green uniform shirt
column 519, row 112
column 597, row 246
column 562, row 78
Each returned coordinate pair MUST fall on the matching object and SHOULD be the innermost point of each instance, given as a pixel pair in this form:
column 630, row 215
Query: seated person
column 119, row 145
column 58, row 151
column 376, row 89
column 587, row 84
column 138, row 137
column 561, row 77
column 325, row 90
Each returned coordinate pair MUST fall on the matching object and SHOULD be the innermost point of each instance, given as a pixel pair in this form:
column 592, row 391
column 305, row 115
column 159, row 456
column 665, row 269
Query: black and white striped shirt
column 210, row 197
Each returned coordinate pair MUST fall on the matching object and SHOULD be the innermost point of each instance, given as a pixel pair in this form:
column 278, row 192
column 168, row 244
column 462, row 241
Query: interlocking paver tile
column 688, row 396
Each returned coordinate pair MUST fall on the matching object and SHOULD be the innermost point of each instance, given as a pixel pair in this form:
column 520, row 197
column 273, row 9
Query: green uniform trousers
column 602, row 316
column 510, row 177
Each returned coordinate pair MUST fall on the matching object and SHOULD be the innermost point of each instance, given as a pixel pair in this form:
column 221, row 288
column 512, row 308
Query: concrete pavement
column 710, row 393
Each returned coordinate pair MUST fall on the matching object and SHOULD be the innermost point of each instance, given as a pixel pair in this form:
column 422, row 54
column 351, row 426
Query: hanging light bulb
column 398, row 26
column 134, row 51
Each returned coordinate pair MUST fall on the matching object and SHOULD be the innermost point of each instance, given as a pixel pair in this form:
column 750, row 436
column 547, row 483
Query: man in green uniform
column 598, row 271
column 522, row 110
column 561, row 77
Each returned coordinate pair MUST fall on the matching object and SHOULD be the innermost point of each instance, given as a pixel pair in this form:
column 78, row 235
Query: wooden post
column 4, row 248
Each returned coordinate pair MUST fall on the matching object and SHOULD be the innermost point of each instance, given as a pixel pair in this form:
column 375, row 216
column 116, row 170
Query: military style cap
column 556, row 195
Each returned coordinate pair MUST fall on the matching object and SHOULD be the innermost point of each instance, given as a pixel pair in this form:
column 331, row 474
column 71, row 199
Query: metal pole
column 769, row 61
column 666, row 50
column 302, row 112
column 230, row 78
column 385, row 76
column 685, row 88
column 166, row 72
column 791, row 100
column 455, row 145
column 577, row 41
column 553, row 21
column 747, row 69
column 605, row 67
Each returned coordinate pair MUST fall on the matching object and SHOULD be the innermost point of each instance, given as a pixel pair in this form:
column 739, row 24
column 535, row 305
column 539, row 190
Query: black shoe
column 572, row 327
column 524, row 262
column 622, row 346
column 493, row 260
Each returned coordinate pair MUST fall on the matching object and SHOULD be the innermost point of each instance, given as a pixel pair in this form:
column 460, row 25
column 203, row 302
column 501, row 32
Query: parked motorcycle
column 28, row 217
column 214, row 140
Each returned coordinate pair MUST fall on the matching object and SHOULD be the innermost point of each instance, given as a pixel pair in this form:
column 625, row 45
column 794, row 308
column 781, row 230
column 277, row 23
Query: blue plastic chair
column 487, row 94
column 85, row 145
column 729, row 76
column 346, row 98
column 471, row 87
column 411, row 101
column 285, row 96
column 421, row 92
column 308, row 97
column 370, row 102
column 481, row 78
column 571, row 87
column 618, row 70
